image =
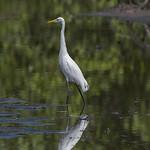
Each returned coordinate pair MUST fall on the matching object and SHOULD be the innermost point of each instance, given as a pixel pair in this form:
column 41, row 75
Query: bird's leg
column 67, row 98
column 68, row 93
column 68, row 120
column 81, row 94
column 82, row 110
column 84, row 103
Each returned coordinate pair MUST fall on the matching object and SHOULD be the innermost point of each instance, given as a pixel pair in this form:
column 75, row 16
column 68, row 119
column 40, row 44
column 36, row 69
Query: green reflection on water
column 111, row 54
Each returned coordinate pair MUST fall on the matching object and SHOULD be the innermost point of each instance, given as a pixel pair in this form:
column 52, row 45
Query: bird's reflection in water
column 73, row 133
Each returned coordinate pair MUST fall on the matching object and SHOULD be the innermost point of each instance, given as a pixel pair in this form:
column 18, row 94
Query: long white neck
column 63, row 48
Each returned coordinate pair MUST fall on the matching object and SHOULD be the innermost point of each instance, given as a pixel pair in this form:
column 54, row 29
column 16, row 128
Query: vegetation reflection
column 113, row 54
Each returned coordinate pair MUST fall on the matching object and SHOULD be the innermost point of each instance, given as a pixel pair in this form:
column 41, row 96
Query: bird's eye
column 58, row 20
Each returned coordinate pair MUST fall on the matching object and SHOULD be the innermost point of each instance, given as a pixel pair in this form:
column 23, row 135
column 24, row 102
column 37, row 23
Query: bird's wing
column 72, row 70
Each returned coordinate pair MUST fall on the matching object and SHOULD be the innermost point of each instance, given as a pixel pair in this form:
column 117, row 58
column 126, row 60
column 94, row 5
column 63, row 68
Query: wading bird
column 67, row 65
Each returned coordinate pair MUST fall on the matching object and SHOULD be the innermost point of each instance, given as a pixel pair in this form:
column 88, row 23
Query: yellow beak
column 51, row 21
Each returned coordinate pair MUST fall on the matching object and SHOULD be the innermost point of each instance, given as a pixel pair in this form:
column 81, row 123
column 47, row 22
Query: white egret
column 67, row 65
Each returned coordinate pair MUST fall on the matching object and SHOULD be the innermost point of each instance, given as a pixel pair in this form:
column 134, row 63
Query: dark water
column 114, row 56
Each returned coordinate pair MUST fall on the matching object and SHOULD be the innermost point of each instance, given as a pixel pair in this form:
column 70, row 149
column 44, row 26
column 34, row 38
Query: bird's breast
column 63, row 67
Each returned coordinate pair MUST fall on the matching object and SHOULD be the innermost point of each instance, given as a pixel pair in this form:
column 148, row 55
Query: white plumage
column 67, row 65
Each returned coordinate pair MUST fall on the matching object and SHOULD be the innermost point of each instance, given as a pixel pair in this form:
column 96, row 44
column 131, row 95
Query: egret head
column 59, row 20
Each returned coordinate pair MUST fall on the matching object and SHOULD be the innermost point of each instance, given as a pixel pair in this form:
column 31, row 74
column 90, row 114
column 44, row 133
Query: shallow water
column 114, row 56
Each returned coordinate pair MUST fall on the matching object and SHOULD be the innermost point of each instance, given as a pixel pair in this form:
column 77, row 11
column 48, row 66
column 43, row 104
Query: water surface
column 114, row 56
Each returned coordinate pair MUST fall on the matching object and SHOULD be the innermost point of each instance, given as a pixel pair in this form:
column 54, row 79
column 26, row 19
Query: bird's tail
column 85, row 86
